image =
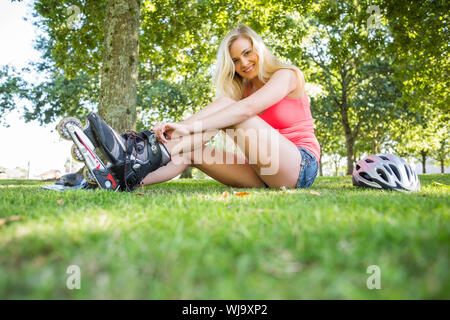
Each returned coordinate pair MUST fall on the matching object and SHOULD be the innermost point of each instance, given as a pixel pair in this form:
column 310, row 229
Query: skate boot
column 95, row 171
column 132, row 155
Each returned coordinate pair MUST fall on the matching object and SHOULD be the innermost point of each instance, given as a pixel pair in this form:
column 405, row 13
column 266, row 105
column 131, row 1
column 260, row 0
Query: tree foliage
column 349, row 62
column 11, row 87
column 383, row 88
column 420, row 44
column 423, row 136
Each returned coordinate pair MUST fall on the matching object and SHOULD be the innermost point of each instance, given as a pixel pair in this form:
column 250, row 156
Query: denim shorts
column 308, row 170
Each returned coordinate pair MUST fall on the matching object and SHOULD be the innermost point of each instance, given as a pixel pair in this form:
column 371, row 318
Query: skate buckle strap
column 130, row 176
column 151, row 137
column 155, row 160
column 132, row 172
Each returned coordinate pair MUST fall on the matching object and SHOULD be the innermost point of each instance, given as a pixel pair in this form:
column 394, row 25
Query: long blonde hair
column 227, row 81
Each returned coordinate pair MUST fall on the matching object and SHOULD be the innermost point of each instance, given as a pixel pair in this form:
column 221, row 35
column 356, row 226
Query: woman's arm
column 280, row 85
column 212, row 108
column 160, row 127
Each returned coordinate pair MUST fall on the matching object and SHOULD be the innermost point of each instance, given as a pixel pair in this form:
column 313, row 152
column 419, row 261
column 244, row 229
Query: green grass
column 184, row 240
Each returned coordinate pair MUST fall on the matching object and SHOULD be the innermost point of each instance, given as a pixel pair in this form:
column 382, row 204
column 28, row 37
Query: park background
column 377, row 77
column 376, row 74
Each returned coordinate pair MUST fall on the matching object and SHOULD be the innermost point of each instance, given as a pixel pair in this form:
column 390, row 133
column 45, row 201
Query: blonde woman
column 262, row 104
column 258, row 94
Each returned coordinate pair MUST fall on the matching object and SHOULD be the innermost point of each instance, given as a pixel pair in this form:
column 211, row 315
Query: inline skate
column 129, row 156
column 96, row 172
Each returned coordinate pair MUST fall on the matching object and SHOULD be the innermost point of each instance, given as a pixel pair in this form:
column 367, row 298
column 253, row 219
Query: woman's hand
column 164, row 130
column 158, row 129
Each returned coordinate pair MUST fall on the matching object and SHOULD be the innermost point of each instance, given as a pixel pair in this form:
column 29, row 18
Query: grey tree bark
column 424, row 161
column 119, row 72
column 349, row 134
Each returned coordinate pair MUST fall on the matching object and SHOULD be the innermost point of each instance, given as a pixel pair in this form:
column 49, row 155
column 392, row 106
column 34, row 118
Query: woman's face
column 244, row 58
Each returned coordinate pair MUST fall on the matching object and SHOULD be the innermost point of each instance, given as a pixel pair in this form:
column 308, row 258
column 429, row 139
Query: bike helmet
column 385, row 171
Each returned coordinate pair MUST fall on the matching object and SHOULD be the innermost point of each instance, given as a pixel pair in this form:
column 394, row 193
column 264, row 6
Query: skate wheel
column 88, row 176
column 62, row 127
column 76, row 153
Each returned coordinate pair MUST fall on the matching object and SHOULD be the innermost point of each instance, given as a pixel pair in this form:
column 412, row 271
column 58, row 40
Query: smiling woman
column 262, row 105
column 243, row 58
column 255, row 92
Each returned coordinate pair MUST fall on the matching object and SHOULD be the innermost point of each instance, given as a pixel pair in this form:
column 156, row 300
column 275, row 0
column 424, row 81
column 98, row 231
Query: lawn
column 197, row 239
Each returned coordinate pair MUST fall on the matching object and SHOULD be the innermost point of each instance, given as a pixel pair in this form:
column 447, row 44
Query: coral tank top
column 292, row 118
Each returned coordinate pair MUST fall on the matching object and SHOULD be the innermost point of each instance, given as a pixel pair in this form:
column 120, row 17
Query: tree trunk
column 336, row 161
column 119, row 72
column 442, row 166
column 320, row 169
column 424, row 161
column 374, row 146
column 350, row 156
column 187, row 173
column 349, row 135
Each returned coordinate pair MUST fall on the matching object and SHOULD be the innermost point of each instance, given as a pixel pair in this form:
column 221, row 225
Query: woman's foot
column 132, row 155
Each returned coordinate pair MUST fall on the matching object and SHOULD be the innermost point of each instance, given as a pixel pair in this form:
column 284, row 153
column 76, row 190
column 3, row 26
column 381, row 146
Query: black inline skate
column 96, row 172
column 131, row 155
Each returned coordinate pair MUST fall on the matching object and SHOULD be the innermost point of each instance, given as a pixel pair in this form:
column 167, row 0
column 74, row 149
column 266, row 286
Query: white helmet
column 385, row 171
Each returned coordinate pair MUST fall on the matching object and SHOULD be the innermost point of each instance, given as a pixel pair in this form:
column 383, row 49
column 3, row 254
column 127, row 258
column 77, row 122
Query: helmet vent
column 369, row 161
column 382, row 175
column 408, row 170
column 365, row 176
column 394, row 169
column 384, row 158
column 358, row 167
column 387, row 168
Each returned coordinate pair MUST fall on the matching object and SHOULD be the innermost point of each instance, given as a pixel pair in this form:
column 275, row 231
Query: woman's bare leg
column 179, row 163
column 226, row 167
column 275, row 159
column 215, row 163
column 272, row 158
column 177, row 166
column 235, row 173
